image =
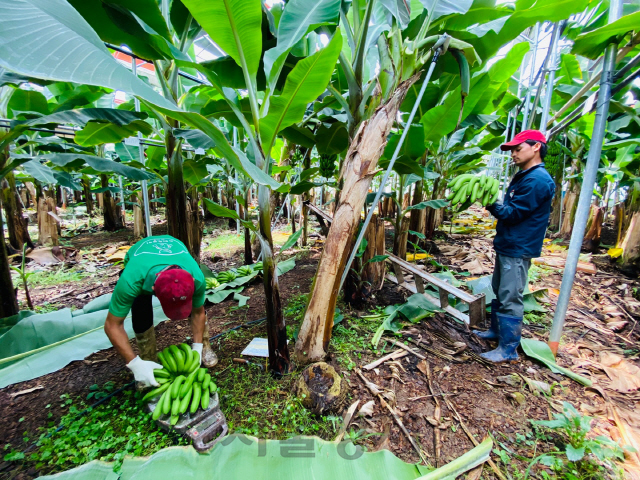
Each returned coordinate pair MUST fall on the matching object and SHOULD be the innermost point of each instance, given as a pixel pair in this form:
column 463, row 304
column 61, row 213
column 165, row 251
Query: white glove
column 198, row 348
column 143, row 371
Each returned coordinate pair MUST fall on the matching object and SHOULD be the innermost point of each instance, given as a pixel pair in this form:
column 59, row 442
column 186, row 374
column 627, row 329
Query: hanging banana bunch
column 327, row 165
column 468, row 188
column 554, row 159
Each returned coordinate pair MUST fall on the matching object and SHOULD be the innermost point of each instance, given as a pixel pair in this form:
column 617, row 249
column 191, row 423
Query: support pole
column 143, row 183
column 589, row 179
column 525, row 115
column 552, row 76
column 124, row 210
column 354, row 251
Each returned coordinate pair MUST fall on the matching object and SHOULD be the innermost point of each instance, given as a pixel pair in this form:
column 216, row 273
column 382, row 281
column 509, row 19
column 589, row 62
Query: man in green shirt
column 160, row 266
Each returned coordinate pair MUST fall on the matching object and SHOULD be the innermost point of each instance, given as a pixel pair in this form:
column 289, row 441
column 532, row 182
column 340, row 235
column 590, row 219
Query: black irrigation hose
column 115, row 392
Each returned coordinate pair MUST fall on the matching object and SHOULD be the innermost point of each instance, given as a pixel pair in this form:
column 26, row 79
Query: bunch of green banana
column 226, row 277
column 327, row 165
column 211, row 283
column 468, row 188
column 554, row 159
column 257, row 266
column 245, row 270
column 183, row 385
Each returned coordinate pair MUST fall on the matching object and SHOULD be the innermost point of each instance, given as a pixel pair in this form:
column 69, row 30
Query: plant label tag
column 133, row 141
column 200, row 151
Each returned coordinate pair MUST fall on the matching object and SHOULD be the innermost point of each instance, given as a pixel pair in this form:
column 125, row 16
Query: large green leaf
column 219, row 210
column 299, row 135
column 570, row 70
column 442, row 8
column 27, row 101
column 97, row 163
column 442, row 120
column 194, row 171
column 40, row 172
column 235, row 25
column 80, row 117
column 592, row 44
column 99, row 133
column 112, row 20
column 526, row 15
column 298, row 19
column 49, row 39
column 304, row 84
column 332, row 140
column 196, row 138
column 413, row 146
column 435, row 204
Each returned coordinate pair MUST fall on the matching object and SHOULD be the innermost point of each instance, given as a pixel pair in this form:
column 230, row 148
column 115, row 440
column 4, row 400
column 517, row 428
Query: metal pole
column 124, row 210
column 525, row 115
column 143, row 183
column 436, row 55
column 552, row 76
column 589, row 179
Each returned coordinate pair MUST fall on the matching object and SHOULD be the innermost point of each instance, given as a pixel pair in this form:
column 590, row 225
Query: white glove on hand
column 143, row 371
column 198, row 348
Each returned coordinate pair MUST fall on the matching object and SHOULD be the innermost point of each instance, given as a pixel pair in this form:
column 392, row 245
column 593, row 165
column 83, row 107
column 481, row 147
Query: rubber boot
column 146, row 342
column 209, row 358
column 510, row 332
column 492, row 333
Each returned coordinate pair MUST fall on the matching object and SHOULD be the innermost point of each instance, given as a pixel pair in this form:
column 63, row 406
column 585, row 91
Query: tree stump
column 321, row 389
column 47, row 225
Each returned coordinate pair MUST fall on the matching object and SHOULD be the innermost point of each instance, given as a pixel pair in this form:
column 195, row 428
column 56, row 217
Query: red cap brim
column 509, row 145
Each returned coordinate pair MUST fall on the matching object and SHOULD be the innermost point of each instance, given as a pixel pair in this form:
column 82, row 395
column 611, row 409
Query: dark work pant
column 510, row 278
column 142, row 313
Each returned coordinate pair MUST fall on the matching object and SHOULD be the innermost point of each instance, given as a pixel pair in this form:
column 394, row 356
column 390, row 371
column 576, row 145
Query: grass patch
column 225, row 244
column 48, row 278
column 120, row 426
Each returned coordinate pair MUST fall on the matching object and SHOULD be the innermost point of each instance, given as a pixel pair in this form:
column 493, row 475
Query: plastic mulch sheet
column 38, row 344
column 239, row 457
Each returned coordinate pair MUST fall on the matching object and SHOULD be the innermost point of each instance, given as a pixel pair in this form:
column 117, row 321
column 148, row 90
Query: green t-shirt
column 146, row 258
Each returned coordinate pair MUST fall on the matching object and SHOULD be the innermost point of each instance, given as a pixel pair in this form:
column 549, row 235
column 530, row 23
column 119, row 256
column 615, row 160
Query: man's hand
column 197, row 347
column 143, row 371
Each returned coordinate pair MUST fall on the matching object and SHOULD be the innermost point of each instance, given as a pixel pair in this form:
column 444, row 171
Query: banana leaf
column 239, row 457
column 541, row 352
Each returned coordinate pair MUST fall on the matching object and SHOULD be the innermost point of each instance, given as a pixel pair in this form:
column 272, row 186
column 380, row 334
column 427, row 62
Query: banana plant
column 378, row 33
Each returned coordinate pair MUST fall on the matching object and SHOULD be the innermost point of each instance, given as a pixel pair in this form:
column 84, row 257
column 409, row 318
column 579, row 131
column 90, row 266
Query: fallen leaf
column 624, row 375
column 474, row 267
column 367, row 409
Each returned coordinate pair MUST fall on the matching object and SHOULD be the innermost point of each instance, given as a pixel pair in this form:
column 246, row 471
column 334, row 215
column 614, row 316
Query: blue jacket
column 523, row 215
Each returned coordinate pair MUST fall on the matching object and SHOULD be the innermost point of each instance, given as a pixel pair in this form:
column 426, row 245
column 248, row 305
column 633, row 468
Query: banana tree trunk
column 276, row 329
column 177, row 215
column 88, row 197
column 305, row 211
column 195, row 225
column 112, row 220
column 631, row 244
column 359, row 167
column 244, row 214
column 8, row 299
column 16, row 223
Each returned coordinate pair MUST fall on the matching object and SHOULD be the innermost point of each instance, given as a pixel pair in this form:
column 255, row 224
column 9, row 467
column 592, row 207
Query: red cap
column 535, row 135
column 174, row 288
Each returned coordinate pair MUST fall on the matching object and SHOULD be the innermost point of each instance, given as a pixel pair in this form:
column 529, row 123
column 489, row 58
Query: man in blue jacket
column 523, row 218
